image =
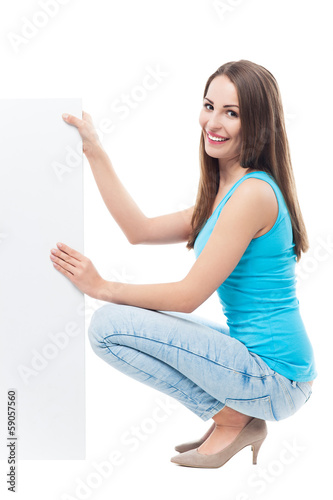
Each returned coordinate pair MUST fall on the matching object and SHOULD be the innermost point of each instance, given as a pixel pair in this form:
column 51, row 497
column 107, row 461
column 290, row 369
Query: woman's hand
column 78, row 269
column 86, row 129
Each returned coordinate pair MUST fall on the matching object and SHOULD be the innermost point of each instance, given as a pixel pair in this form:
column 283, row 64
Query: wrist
column 106, row 291
column 93, row 149
column 100, row 291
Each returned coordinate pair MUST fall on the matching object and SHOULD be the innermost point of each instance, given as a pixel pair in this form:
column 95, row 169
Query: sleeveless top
column 259, row 297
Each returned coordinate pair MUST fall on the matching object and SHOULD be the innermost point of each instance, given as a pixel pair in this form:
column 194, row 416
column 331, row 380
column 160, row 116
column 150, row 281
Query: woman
column 247, row 232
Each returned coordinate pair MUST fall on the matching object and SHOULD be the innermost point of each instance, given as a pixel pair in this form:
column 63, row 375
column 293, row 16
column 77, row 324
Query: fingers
column 63, row 258
column 86, row 116
column 72, row 120
column 70, row 251
column 63, row 266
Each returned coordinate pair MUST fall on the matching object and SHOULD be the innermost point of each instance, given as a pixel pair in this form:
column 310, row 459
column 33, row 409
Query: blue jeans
column 193, row 360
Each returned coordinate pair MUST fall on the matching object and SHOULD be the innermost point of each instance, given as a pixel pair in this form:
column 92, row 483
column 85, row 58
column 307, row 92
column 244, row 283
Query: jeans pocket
column 306, row 388
column 256, row 407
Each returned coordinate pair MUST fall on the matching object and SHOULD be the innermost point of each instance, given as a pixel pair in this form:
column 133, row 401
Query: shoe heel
column 255, row 448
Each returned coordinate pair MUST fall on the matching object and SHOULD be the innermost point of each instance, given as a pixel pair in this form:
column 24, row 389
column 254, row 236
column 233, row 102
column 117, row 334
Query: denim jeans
column 193, row 360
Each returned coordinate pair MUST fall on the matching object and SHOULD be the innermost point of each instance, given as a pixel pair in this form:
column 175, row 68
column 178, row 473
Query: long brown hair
column 264, row 146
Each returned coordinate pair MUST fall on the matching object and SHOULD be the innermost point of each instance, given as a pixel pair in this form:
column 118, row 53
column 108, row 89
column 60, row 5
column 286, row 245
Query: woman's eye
column 207, row 104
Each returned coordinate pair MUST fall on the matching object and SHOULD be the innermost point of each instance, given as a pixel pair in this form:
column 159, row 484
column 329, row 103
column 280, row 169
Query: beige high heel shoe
column 254, row 434
column 195, row 444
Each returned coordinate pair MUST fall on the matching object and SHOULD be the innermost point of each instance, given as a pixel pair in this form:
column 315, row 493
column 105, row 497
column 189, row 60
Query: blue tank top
column 259, row 297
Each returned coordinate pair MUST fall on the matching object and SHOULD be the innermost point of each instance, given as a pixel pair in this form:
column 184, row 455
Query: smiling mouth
column 216, row 139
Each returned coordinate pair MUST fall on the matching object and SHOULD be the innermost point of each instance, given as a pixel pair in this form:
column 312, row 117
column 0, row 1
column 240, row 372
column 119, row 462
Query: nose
column 214, row 123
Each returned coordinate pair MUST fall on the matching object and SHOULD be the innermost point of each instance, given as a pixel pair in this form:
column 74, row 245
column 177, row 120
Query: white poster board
column 41, row 311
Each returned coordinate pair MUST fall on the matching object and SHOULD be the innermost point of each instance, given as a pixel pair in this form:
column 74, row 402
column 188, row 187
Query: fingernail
column 65, row 115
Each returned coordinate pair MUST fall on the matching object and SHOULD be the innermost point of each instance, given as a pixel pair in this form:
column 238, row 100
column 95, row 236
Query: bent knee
column 97, row 326
column 104, row 322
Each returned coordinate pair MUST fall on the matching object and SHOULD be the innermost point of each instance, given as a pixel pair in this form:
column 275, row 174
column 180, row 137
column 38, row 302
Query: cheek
column 236, row 131
column 202, row 119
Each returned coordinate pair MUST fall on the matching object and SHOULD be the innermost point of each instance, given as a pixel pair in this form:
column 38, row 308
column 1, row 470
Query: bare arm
column 248, row 211
column 137, row 227
column 242, row 217
column 169, row 228
column 119, row 202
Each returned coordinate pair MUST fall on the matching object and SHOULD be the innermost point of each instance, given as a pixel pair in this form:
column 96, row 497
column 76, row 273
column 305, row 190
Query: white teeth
column 217, row 139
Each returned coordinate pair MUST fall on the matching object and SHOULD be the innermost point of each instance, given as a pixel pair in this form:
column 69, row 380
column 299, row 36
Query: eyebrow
column 226, row 106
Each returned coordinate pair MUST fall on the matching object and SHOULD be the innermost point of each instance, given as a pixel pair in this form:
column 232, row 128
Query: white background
column 100, row 51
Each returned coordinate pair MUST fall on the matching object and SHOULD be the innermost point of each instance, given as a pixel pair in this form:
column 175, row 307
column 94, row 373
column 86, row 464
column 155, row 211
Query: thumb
column 73, row 120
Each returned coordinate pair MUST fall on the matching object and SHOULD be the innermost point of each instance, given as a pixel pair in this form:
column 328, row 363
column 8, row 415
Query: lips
column 215, row 135
column 216, row 139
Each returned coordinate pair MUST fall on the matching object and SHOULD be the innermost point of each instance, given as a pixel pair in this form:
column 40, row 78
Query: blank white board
column 41, row 311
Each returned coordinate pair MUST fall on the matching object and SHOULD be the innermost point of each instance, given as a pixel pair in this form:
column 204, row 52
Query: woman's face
column 219, row 118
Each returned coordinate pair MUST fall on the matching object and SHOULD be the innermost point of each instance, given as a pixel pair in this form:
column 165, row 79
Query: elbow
column 139, row 236
column 190, row 307
column 134, row 239
column 188, row 304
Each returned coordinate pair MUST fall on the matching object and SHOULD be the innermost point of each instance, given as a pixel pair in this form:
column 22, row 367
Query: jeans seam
column 152, row 376
column 268, row 397
column 305, row 395
column 254, row 356
column 211, row 409
column 270, row 405
column 214, row 405
column 287, row 393
column 187, row 350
